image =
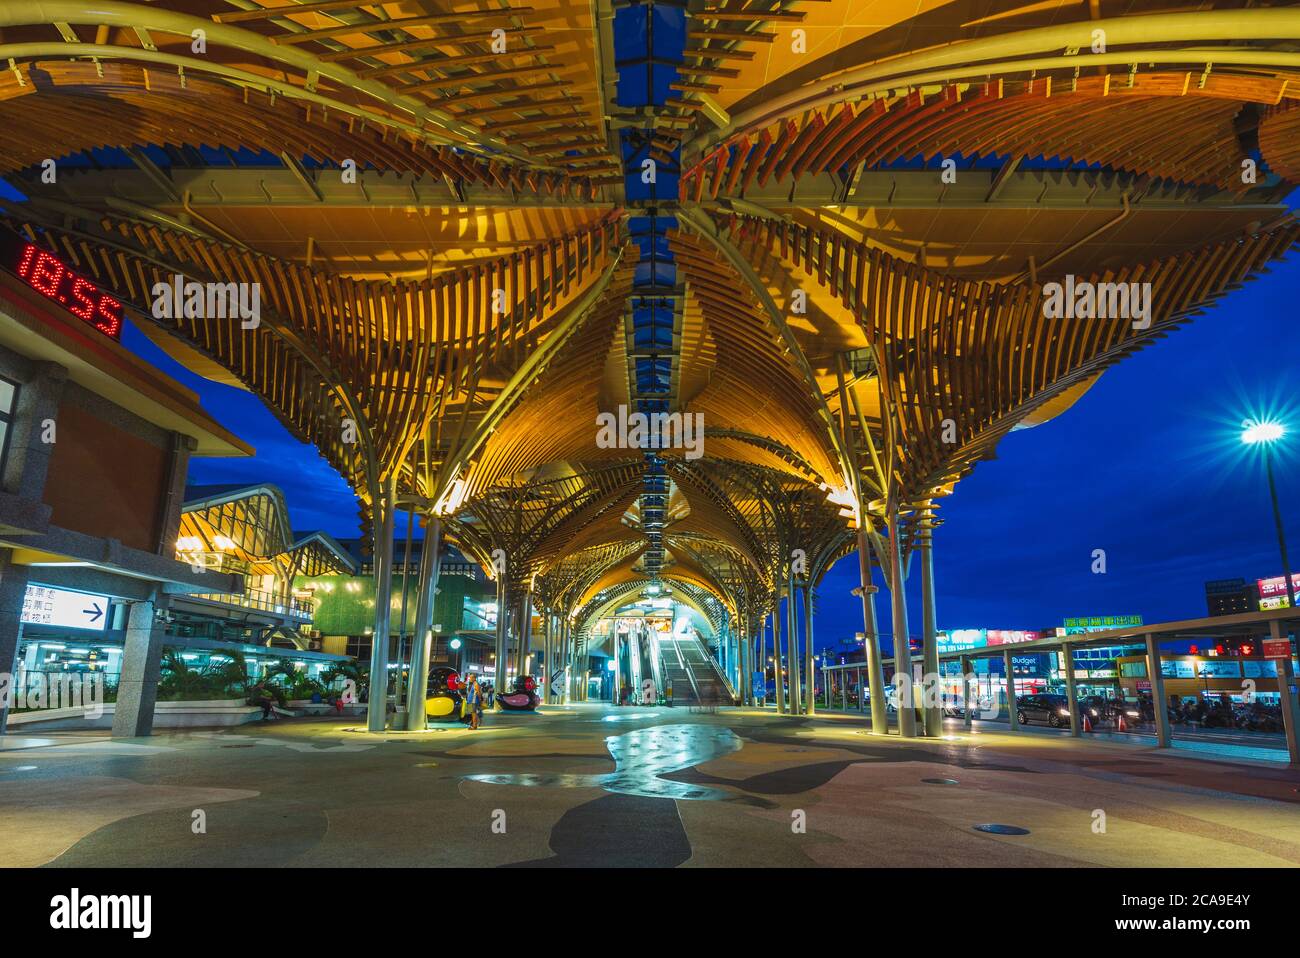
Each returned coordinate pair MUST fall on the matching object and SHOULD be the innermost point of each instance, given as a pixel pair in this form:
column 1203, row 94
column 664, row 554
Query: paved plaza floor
column 591, row 785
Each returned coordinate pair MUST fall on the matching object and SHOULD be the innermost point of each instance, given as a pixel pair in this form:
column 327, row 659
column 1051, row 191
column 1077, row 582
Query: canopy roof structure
column 488, row 234
column 248, row 527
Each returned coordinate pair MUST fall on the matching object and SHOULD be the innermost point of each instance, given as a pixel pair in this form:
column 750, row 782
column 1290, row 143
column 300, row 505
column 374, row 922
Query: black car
column 1050, row 709
column 1101, row 709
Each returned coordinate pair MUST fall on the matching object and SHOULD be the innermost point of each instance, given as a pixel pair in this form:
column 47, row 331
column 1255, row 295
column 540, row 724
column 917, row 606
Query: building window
column 8, row 400
column 358, row 647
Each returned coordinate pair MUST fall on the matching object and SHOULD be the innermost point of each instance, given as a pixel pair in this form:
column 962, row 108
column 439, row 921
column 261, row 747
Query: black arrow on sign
column 94, row 611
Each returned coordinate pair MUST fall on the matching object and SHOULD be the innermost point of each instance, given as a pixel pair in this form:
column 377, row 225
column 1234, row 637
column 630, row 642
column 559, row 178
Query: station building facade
column 95, row 446
column 216, row 644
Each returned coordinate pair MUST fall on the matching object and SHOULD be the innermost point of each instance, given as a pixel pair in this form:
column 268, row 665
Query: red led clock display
column 47, row 274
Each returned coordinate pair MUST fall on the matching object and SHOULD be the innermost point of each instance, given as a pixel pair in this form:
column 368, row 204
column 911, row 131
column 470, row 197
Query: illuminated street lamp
column 1265, row 434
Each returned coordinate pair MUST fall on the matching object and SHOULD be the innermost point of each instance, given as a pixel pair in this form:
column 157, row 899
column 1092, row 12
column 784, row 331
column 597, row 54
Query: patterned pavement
column 596, row 786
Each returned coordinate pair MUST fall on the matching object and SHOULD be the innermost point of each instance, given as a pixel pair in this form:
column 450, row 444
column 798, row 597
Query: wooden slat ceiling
column 537, row 94
column 381, row 310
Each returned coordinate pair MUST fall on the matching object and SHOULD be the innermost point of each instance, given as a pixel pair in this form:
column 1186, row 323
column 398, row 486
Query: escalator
column 691, row 673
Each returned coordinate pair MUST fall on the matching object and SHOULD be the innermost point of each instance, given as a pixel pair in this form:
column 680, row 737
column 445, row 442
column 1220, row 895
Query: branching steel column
column 810, row 692
column 902, row 651
column 929, row 640
column 377, row 708
column 778, row 671
column 537, row 361
column 421, row 638
column 706, row 228
column 499, row 668
column 792, row 621
column 525, row 632
column 871, row 639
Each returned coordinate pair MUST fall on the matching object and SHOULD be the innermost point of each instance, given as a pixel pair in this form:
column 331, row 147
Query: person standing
column 474, row 700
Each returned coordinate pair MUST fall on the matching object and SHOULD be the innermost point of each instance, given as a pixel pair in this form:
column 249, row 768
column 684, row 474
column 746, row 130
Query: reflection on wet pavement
column 640, row 758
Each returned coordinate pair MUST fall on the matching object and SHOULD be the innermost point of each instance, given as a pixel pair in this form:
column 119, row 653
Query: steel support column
column 1164, row 735
column 808, row 651
column 525, row 633
column 1011, row 690
column 777, row 675
column 871, row 641
column 792, row 640
column 902, row 653
column 967, row 706
column 1071, row 691
column 929, row 647
column 1290, row 707
column 377, row 707
column 499, row 667
column 421, row 637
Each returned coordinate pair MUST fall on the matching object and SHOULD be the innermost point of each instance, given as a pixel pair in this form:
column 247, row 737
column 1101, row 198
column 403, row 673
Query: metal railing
column 302, row 609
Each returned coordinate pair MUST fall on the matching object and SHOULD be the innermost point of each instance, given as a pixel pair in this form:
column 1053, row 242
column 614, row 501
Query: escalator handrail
column 713, row 664
column 690, row 675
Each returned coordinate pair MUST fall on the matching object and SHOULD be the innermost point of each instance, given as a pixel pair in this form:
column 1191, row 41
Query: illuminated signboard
column 1100, row 623
column 64, row 608
column 1012, row 636
column 56, row 281
column 1272, row 592
column 961, row 640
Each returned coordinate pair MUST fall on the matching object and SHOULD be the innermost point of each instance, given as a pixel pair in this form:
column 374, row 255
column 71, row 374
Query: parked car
column 1050, row 709
column 1101, row 709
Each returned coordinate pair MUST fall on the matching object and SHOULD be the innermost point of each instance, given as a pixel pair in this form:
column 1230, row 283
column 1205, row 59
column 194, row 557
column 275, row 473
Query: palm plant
column 227, row 672
column 177, row 681
column 348, row 671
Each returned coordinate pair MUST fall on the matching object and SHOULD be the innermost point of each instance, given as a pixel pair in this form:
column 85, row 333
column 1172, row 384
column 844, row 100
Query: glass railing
column 302, row 609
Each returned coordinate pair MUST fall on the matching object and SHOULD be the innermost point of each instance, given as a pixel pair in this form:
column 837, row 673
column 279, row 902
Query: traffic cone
column 1087, row 723
column 1120, row 724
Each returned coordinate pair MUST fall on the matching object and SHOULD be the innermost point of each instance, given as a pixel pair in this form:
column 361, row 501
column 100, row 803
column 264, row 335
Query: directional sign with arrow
column 43, row 605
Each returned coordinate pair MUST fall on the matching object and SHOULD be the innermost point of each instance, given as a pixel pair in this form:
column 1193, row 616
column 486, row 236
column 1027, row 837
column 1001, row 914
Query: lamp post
column 1265, row 434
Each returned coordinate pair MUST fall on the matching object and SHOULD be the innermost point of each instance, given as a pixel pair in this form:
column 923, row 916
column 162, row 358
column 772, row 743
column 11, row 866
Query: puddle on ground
column 640, row 758
column 629, row 718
